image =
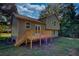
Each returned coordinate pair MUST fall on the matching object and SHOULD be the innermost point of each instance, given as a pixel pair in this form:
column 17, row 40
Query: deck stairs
column 32, row 35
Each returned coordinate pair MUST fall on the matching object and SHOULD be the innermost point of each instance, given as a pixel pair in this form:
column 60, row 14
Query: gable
column 52, row 22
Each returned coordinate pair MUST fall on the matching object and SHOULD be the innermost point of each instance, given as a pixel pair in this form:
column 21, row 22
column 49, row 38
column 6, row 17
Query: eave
column 27, row 19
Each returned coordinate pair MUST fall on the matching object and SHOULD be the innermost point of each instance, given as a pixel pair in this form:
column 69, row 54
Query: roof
column 28, row 19
column 50, row 16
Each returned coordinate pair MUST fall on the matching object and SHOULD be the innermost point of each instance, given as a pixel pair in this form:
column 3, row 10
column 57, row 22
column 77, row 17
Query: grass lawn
column 60, row 47
column 4, row 36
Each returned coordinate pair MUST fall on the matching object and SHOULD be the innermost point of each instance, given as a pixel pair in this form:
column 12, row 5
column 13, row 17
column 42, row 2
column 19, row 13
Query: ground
column 61, row 46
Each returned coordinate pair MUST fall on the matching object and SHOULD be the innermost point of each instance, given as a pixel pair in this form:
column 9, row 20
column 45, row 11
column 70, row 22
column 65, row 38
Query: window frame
column 28, row 24
column 38, row 26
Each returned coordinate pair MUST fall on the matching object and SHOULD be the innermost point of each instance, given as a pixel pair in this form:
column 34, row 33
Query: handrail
column 31, row 34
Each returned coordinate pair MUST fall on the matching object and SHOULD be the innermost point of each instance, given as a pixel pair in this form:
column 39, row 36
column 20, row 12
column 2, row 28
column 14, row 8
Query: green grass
column 66, row 42
column 4, row 36
column 61, row 46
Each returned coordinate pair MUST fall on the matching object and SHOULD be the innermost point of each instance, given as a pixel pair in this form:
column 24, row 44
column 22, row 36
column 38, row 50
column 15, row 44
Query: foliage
column 69, row 23
column 51, row 10
column 6, row 15
column 69, row 26
column 3, row 28
column 45, row 13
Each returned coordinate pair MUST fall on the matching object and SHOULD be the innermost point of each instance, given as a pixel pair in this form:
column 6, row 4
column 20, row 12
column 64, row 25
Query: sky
column 32, row 10
column 77, row 6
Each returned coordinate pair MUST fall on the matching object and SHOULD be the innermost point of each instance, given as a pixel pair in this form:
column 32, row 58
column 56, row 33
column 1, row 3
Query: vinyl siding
column 50, row 23
column 15, row 28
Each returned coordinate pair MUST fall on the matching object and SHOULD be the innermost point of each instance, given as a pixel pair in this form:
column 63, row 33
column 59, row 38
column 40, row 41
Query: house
column 26, row 29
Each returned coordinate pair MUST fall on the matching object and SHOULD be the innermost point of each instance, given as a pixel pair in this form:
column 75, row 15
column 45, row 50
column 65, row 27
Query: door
column 38, row 28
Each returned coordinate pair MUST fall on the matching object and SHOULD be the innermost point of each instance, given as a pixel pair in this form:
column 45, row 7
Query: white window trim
column 28, row 25
column 39, row 26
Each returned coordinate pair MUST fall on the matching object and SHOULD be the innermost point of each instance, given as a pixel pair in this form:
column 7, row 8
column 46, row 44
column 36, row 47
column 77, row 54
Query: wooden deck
column 33, row 35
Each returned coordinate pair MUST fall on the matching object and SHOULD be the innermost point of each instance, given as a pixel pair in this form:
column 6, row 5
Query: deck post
column 26, row 42
column 51, row 39
column 31, row 44
column 40, row 41
column 46, row 41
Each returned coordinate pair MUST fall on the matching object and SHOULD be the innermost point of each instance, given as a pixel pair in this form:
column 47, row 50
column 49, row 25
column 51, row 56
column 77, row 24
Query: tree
column 69, row 23
column 6, row 13
column 51, row 9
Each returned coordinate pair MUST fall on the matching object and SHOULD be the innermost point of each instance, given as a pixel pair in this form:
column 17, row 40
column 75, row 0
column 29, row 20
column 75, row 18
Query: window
column 28, row 25
column 37, row 27
column 54, row 23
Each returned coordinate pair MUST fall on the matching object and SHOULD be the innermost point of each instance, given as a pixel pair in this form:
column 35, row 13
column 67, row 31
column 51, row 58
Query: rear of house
column 22, row 24
column 24, row 28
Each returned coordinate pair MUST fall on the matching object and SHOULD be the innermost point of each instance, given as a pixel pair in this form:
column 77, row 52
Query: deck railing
column 33, row 35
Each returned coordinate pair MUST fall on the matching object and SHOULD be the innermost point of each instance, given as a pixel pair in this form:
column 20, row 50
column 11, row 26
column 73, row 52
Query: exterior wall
column 42, row 26
column 32, row 26
column 22, row 27
column 15, row 28
column 54, row 33
column 50, row 23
